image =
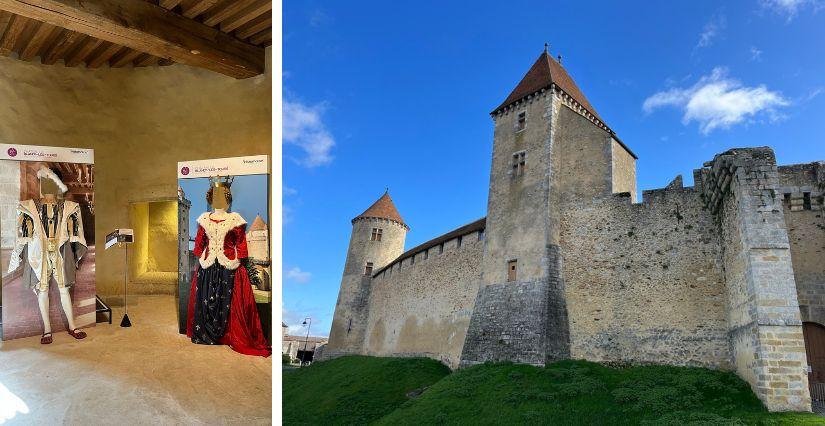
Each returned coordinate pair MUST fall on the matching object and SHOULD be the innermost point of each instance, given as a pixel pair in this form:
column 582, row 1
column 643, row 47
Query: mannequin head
column 51, row 185
column 219, row 195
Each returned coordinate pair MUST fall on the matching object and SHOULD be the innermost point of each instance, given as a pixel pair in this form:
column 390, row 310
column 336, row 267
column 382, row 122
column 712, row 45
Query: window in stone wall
column 481, row 235
column 412, row 260
column 376, row 234
column 806, row 201
column 458, row 243
column 349, row 326
column 511, row 270
column 787, row 199
column 519, row 161
column 426, row 254
column 441, row 249
column 521, row 121
column 368, row 269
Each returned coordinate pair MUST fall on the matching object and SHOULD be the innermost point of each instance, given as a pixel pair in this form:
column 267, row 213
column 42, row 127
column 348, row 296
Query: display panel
column 249, row 201
column 47, row 236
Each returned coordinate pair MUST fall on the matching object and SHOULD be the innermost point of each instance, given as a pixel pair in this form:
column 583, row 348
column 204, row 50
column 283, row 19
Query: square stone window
column 521, row 121
column 368, row 269
column 806, row 201
column 376, row 234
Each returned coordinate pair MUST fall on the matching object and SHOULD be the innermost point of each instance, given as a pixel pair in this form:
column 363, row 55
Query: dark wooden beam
column 62, row 46
column 224, row 10
column 5, row 20
column 168, row 4
column 255, row 26
column 261, row 37
column 12, row 35
column 123, row 58
column 148, row 28
column 102, row 54
column 254, row 10
column 193, row 8
column 35, row 45
column 84, row 49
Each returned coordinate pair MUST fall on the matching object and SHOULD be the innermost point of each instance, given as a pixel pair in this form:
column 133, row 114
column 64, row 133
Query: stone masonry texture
column 721, row 274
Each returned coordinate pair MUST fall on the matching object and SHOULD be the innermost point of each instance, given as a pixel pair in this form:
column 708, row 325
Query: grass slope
column 354, row 390
column 567, row 392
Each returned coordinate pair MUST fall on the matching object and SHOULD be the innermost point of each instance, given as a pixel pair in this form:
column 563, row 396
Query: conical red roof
column 384, row 208
column 544, row 72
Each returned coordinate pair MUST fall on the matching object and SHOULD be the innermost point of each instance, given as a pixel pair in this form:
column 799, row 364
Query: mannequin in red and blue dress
column 222, row 307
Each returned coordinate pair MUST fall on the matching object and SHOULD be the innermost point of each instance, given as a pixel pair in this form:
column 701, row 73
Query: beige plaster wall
column 140, row 122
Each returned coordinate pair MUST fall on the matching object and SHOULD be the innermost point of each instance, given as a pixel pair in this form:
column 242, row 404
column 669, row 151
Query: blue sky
column 398, row 96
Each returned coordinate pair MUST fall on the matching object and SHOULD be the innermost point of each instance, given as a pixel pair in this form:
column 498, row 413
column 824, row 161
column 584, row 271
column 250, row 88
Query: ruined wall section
column 802, row 187
column 644, row 282
column 422, row 305
column 741, row 186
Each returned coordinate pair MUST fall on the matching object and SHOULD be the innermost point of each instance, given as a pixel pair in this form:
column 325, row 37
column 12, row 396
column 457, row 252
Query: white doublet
column 216, row 233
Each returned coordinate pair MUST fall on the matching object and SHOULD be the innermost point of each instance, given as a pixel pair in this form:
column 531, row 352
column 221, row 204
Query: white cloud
column 297, row 275
column 304, row 128
column 717, row 101
column 790, row 8
column 711, row 31
column 288, row 191
column 756, row 54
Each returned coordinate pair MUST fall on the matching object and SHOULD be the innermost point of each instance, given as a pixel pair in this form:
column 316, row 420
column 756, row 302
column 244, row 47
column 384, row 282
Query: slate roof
column 384, row 208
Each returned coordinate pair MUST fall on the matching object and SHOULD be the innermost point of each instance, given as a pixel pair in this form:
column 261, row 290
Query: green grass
column 361, row 390
column 354, row 390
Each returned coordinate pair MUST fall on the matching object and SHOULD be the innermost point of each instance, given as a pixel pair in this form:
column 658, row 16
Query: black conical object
column 125, row 321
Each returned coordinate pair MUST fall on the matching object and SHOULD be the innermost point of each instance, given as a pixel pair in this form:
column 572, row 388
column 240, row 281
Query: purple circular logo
column 184, row 170
column 12, row 152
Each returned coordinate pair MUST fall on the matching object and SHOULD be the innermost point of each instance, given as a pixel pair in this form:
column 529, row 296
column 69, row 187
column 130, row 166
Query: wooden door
column 815, row 348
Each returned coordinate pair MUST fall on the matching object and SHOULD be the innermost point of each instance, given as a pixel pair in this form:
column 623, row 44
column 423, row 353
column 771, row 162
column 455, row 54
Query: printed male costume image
column 50, row 242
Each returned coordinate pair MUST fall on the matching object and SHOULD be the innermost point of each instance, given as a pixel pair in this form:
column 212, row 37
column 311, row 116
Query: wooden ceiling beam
column 84, row 49
column 5, row 20
column 255, row 26
column 146, row 60
column 193, row 8
column 12, row 35
column 102, row 54
column 168, row 4
column 124, row 58
column 61, row 47
column 254, row 10
column 224, row 11
column 261, row 37
column 35, row 44
column 148, row 28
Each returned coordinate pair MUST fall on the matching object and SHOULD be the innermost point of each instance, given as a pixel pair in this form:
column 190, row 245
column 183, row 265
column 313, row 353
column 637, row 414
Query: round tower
column 377, row 239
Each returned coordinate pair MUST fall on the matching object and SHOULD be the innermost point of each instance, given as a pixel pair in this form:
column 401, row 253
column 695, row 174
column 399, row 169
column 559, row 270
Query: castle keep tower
column 549, row 146
column 377, row 238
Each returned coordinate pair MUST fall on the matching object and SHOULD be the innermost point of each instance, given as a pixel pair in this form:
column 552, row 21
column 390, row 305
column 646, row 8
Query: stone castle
column 729, row 273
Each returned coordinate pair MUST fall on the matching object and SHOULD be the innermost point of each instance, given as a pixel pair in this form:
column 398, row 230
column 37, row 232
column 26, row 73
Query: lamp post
column 304, row 354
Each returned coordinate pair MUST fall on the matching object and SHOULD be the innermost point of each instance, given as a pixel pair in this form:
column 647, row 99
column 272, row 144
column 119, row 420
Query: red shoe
column 46, row 338
column 77, row 334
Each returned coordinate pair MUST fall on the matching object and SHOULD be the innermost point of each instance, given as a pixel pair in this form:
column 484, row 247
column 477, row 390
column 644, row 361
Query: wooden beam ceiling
column 226, row 36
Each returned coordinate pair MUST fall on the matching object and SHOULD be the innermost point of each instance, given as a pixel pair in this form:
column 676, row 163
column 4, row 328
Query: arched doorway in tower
column 814, row 335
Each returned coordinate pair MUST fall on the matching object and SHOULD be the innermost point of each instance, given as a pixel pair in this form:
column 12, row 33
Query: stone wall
column 806, row 231
column 624, row 170
column 741, row 186
column 349, row 324
column 643, row 282
column 140, row 122
column 422, row 305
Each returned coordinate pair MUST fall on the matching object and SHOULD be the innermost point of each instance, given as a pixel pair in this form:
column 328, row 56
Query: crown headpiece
column 221, row 181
